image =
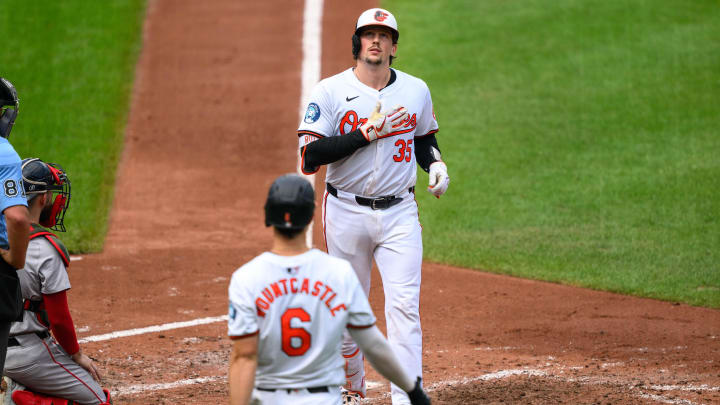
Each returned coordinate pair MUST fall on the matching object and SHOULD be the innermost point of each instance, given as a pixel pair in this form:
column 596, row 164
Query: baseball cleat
column 351, row 397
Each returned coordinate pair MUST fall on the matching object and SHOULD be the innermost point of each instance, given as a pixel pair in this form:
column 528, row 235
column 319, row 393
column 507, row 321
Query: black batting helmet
column 290, row 203
column 9, row 107
column 40, row 177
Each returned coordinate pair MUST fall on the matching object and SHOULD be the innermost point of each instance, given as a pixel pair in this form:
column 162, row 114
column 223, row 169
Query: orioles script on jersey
column 350, row 122
column 294, row 285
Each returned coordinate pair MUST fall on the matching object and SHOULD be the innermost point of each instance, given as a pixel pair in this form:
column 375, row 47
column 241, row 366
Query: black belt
column 312, row 390
column 14, row 342
column 379, row 203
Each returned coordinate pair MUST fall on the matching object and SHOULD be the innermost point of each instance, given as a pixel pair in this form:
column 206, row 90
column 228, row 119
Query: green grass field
column 72, row 63
column 581, row 136
column 582, row 139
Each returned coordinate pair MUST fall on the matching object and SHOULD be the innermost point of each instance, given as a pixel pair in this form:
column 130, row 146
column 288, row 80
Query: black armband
column 330, row 149
column 424, row 153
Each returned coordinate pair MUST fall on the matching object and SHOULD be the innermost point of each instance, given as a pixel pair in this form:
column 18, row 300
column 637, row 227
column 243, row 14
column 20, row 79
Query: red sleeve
column 61, row 322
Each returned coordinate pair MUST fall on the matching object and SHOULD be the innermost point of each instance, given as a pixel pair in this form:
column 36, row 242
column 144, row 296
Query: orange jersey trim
column 302, row 163
column 305, row 132
column 324, row 225
column 236, row 337
column 429, row 133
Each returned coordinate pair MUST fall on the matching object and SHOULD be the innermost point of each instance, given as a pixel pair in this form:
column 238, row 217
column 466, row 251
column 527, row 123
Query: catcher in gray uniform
column 52, row 367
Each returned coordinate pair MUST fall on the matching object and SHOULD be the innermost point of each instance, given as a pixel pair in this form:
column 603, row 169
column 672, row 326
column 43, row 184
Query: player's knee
column 405, row 311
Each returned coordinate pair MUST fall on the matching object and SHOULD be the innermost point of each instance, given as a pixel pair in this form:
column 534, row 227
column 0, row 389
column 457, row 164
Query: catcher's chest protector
column 37, row 231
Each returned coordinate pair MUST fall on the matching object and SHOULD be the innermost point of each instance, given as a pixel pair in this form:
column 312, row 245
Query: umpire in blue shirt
column 14, row 222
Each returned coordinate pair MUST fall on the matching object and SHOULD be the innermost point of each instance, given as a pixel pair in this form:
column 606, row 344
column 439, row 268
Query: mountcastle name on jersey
column 299, row 306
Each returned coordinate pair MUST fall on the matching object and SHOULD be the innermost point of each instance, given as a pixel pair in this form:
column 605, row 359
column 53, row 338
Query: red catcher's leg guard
column 31, row 398
column 108, row 400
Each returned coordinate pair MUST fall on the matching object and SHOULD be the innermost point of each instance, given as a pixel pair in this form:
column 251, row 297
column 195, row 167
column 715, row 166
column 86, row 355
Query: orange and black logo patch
column 380, row 16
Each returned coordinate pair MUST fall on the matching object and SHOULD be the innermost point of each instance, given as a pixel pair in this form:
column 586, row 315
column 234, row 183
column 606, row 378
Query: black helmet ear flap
column 8, row 97
column 355, row 46
column 7, row 120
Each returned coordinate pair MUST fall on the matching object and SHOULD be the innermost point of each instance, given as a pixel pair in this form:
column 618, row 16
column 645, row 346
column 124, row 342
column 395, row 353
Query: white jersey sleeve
column 426, row 122
column 318, row 121
column 242, row 314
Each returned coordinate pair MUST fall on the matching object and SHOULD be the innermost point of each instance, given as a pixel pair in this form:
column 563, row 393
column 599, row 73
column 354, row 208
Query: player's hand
column 5, row 254
column 439, row 179
column 85, row 362
column 417, row 395
column 383, row 124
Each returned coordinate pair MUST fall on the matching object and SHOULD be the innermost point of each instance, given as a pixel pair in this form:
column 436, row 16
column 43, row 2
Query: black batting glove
column 417, row 395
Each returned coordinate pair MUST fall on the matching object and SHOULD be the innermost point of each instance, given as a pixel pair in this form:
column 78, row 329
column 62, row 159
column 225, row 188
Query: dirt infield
column 212, row 123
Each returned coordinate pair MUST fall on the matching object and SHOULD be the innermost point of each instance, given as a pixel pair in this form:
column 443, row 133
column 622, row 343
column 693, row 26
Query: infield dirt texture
column 212, row 123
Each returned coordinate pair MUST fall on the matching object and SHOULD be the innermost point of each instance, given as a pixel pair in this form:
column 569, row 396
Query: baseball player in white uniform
column 369, row 209
column 288, row 310
column 53, row 368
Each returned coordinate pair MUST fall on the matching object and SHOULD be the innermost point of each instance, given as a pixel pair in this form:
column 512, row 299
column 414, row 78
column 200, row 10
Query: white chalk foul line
column 436, row 386
column 153, row 329
column 312, row 51
column 138, row 388
column 311, row 60
column 485, row 377
column 662, row 399
column 703, row 387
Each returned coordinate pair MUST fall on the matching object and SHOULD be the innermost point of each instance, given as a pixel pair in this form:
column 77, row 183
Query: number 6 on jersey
column 302, row 337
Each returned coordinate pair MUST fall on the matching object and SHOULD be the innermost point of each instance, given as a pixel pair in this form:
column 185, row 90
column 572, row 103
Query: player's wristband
column 424, row 154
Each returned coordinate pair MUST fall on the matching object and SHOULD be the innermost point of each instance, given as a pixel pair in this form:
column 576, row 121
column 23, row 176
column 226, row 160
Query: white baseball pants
column 393, row 238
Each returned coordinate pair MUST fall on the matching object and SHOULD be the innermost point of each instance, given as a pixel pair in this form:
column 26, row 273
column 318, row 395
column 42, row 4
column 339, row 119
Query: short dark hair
column 288, row 233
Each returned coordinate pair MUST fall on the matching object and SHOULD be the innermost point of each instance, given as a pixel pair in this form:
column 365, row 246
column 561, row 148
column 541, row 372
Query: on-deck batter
column 288, row 310
column 369, row 210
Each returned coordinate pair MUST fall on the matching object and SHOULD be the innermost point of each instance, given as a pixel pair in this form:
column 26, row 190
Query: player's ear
column 393, row 50
column 42, row 199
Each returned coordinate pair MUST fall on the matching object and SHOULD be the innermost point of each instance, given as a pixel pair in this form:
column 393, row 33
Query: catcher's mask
column 9, row 107
column 40, row 177
column 290, row 203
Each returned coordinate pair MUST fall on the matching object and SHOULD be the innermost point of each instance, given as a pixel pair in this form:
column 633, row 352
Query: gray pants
column 44, row 367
